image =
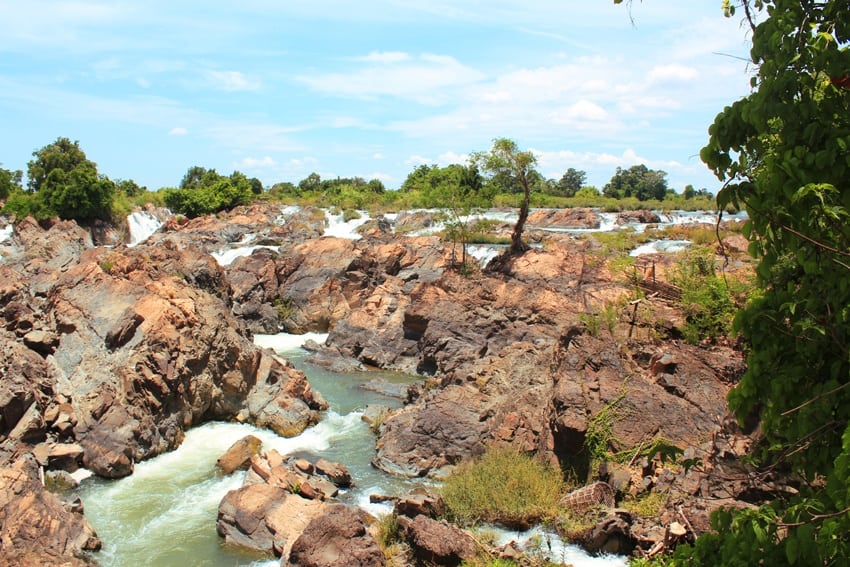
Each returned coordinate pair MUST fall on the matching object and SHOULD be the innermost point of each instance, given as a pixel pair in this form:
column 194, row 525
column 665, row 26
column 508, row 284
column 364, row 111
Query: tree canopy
column 638, row 181
column 203, row 191
column 783, row 152
column 62, row 182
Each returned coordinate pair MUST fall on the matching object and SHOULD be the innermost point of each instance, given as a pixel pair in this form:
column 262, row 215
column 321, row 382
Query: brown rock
column 437, row 543
column 337, row 538
column 265, row 518
column 34, row 522
column 238, row 456
column 336, row 472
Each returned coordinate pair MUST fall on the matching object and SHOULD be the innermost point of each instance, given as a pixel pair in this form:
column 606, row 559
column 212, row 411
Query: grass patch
column 503, row 487
column 646, row 506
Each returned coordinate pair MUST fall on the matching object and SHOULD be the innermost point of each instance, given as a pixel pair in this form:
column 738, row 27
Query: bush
column 708, row 299
column 504, row 487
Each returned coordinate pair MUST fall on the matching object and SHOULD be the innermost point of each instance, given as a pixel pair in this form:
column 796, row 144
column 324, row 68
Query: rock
column 641, row 216
column 375, row 414
column 42, row 342
column 612, row 534
column 428, row 438
column 337, row 473
column 437, row 543
column 263, row 517
column 420, row 503
column 30, row 426
column 123, row 329
column 238, row 456
column 581, row 218
column 337, row 538
column 34, row 521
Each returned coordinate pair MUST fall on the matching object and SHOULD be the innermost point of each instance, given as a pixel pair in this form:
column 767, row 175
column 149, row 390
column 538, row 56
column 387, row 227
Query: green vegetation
column 639, row 182
column 513, row 171
column 783, row 152
column 203, row 191
column 710, row 299
column 505, row 487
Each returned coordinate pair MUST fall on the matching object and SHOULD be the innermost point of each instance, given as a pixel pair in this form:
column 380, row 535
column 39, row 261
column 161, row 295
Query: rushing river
column 164, row 513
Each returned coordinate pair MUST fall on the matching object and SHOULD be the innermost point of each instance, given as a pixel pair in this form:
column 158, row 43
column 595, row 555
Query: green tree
column 65, row 183
column 203, row 191
column 79, row 194
column 515, row 170
column 783, row 152
column 638, row 181
column 62, row 154
column 571, row 181
column 10, row 181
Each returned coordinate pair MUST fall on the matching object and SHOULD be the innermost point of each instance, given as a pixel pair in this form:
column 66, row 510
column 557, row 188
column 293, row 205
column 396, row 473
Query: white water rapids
column 165, row 512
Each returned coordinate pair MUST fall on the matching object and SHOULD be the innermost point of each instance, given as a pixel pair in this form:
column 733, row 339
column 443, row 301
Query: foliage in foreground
column 505, row 487
column 784, row 153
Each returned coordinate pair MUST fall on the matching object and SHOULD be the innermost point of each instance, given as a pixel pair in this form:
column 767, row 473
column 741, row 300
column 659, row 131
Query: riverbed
column 165, row 512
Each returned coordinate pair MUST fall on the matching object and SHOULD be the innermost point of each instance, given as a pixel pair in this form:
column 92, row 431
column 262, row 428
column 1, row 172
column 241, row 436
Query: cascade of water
column 341, row 228
column 659, row 246
column 142, row 225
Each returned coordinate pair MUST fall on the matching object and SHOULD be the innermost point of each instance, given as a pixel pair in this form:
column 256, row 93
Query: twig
column 687, row 522
column 813, row 400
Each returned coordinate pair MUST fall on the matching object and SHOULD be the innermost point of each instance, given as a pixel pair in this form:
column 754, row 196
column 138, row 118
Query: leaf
column 792, row 549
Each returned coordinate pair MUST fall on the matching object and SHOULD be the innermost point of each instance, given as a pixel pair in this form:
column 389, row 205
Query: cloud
column 377, row 155
column 231, row 81
column 178, row 131
column 254, row 163
column 417, row 160
column 672, row 73
column 427, row 79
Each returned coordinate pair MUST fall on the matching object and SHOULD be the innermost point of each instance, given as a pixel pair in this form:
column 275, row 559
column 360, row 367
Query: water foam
column 660, row 246
column 340, row 228
column 142, row 225
column 287, row 342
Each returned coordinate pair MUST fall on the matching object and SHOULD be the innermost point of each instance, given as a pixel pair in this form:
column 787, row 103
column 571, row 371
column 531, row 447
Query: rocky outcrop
column 642, row 216
column 109, row 355
column 36, row 523
column 337, row 538
column 578, row 218
column 280, row 497
column 436, row 542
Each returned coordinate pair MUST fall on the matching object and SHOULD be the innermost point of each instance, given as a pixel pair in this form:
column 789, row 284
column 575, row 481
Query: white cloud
column 378, row 155
column 672, row 73
column 448, row 158
column 417, row 160
column 178, row 131
column 428, row 79
column 254, row 163
column 231, row 81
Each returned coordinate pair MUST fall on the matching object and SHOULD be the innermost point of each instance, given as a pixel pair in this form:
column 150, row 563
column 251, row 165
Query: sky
column 280, row 89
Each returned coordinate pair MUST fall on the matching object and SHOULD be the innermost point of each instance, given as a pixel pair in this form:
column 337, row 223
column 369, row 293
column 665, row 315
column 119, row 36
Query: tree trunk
column 517, row 245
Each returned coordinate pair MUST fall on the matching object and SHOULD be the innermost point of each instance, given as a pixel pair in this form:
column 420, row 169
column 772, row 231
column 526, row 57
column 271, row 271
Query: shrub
column 503, row 486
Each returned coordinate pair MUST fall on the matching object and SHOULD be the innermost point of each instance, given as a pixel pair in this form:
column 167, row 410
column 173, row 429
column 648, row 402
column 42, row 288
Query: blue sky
column 279, row 89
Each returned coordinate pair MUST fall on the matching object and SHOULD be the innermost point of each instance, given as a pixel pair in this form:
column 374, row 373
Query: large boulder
column 437, row 542
column 34, row 521
column 337, row 538
column 265, row 518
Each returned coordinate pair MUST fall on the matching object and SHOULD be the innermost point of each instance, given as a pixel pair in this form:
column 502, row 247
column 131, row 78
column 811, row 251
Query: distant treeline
column 63, row 182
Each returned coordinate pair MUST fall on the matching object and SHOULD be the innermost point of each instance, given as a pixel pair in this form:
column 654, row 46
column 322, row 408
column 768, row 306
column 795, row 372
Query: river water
column 164, row 513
